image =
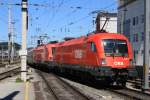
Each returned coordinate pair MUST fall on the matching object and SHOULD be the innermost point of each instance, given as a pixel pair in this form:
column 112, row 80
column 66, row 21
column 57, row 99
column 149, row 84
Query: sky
column 55, row 19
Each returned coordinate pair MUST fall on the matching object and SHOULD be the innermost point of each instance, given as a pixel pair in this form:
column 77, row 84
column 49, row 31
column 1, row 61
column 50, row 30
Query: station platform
column 16, row 91
column 10, row 89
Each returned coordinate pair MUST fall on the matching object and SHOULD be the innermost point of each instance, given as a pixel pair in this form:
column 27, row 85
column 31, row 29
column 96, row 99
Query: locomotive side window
column 93, row 46
column 53, row 50
column 114, row 47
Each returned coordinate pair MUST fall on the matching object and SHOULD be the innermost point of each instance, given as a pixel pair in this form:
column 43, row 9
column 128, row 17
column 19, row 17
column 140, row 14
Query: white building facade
column 131, row 24
column 111, row 24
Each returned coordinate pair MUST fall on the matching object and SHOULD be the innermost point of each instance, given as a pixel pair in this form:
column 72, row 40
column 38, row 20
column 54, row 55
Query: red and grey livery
column 101, row 56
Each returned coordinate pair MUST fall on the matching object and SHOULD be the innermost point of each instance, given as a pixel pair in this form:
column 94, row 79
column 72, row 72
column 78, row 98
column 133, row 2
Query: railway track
column 131, row 94
column 9, row 72
column 60, row 89
column 6, row 63
column 126, row 93
column 137, row 84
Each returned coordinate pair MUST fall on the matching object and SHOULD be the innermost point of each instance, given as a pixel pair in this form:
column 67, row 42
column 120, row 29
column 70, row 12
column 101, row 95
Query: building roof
column 4, row 45
column 105, row 14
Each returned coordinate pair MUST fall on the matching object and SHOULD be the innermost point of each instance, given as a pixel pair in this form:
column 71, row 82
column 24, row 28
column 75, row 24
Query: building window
column 133, row 21
column 142, row 36
column 126, row 28
column 135, row 38
column 93, row 46
column 142, row 18
column 135, row 53
column 142, row 52
column 136, row 20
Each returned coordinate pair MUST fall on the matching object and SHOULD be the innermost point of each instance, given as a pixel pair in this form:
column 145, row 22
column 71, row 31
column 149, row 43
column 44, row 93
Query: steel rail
column 74, row 88
column 130, row 93
column 9, row 73
column 49, row 87
column 65, row 83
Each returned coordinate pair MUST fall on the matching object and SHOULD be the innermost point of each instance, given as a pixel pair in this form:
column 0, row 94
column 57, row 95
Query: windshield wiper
column 112, row 55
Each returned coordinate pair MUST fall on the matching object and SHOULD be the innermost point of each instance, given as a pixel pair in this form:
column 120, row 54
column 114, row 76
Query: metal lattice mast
column 9, row 32
column 12, row 42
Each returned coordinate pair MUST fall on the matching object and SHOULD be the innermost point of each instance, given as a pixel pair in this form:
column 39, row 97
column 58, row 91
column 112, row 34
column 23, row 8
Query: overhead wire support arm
column 107, row 19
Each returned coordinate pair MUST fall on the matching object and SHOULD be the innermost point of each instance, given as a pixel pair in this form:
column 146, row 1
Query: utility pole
column 2, row 54
column 146, row 44
column 12, row 41
column 9, row 33
column 23, row 52
column 10, row 36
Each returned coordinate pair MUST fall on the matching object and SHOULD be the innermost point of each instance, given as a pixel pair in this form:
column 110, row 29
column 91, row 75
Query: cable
column 108, row 6
column 55, row 12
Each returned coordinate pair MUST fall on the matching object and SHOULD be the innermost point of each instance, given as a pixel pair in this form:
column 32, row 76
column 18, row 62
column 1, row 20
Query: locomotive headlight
column 103, row 61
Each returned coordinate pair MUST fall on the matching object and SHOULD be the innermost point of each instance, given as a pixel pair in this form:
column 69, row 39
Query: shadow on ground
column 10, row 96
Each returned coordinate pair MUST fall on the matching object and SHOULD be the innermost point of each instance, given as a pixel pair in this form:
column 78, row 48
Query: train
column 99, row 56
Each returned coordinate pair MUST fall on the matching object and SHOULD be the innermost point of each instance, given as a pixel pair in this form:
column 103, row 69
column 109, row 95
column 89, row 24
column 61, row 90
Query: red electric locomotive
column 41, row 56
column 101, row 56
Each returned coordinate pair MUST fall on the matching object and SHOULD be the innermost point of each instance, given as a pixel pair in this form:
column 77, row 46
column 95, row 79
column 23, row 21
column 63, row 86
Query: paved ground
column 11, row 90
column 33, row 90
column 16, row 91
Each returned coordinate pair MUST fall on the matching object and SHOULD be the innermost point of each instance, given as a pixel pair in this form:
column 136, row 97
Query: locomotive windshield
column 115, row 47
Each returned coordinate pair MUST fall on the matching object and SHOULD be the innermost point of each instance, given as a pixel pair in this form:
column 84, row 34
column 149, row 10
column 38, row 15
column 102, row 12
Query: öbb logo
column 118, row 63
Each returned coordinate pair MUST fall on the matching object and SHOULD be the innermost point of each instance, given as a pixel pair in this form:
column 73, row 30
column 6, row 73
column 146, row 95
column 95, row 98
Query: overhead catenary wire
column 55, row 12
column 16, row 4
column 48, row 7
column 73, row 22
column 96, row 11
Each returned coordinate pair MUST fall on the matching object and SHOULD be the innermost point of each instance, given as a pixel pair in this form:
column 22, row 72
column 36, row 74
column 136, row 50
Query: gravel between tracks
column 60, row 89
column 96, row 94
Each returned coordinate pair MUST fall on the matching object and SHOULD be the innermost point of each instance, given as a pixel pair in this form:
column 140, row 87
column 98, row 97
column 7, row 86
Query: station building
column 4, row 51
column 131, row 24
